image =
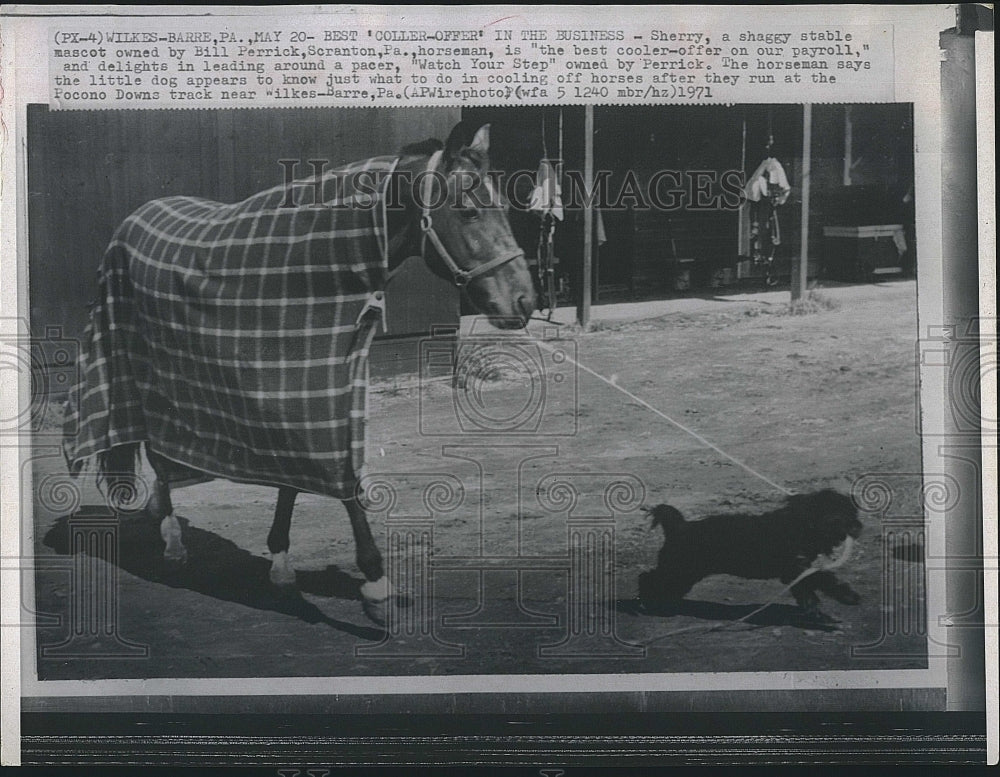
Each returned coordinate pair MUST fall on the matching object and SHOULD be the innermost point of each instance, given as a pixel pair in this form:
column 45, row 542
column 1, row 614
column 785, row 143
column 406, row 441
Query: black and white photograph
column 443, row 389
column 689, row 482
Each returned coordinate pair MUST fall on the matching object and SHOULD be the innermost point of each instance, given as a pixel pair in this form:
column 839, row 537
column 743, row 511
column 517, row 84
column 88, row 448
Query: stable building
column 667, row 216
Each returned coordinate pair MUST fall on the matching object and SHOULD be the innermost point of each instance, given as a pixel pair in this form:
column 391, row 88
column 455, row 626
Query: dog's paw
column 849, row 597
column 815, row 616
column 844, row 594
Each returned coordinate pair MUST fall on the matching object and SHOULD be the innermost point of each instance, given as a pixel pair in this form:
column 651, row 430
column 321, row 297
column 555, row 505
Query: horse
column 450, row 214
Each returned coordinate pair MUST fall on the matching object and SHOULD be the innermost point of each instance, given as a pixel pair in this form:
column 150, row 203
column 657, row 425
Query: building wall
column 638, row 257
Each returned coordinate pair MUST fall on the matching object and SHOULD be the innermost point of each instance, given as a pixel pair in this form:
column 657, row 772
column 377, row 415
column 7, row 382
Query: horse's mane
column 422, row 147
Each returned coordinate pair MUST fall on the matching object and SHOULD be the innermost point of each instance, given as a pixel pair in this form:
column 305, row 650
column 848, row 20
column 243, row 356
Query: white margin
column 986, row 143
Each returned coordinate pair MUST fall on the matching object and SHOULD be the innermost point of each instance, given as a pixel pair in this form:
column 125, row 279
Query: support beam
column 800, row 283
column 742, row 230
column 848, row 144
column 586, row 281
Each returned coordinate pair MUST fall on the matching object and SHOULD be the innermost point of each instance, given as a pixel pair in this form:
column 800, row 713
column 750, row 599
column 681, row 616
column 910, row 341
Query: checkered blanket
column 233, row 339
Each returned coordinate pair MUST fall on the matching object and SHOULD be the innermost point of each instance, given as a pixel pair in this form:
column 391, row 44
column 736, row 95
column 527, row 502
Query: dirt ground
column 808, row 401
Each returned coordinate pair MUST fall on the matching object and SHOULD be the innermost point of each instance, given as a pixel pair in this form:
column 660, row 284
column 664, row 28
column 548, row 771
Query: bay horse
column 451, row 215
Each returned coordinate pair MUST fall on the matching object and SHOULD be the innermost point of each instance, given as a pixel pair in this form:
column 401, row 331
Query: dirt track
column 810, row 402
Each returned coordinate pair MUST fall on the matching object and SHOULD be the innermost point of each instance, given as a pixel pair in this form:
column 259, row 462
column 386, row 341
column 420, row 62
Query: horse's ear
column 456, row 140
column 458, row 144
column 481, row 142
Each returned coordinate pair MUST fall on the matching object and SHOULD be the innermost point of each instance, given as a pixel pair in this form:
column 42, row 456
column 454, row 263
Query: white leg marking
column 281, row 572
column 377, row 590
column 170, row 530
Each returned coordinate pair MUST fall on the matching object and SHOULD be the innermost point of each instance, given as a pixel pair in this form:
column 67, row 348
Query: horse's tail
column 117, row 477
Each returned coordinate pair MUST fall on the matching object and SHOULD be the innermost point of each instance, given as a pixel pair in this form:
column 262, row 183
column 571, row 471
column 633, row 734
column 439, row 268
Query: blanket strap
column 376, row 300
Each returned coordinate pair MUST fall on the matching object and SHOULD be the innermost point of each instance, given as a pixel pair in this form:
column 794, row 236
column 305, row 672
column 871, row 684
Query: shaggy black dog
column 781, row 544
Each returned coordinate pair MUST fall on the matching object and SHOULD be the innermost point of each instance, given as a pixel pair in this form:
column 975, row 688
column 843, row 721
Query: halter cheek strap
column 460, row 276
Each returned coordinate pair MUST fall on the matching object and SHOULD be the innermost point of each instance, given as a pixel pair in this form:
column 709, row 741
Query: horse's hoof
column 175, row 557
column 377, row 610
column 282, row 577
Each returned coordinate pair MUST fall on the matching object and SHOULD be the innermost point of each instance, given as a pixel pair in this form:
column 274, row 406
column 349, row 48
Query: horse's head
column 466, row 233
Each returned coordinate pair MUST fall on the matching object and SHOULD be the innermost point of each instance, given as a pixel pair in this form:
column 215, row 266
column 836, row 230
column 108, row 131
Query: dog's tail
column 666, row 517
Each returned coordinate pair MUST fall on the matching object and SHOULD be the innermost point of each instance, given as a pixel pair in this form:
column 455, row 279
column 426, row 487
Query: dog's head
column 830, row 509
column 666, row 517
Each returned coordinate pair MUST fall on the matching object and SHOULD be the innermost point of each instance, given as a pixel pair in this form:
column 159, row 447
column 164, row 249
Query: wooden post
column 799, row 284
column 848, row 144
column 742, row 232
column 583, row 305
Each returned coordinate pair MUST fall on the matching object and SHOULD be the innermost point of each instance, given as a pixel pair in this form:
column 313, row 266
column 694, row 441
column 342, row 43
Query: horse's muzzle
column 526, row 307
column 519, row 316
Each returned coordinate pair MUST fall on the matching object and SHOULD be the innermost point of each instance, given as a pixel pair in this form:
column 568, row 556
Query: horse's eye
column 469, row 214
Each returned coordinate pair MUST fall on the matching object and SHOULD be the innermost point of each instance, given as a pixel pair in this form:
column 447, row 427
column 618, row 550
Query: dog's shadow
column 219, row 568
column 775, row 614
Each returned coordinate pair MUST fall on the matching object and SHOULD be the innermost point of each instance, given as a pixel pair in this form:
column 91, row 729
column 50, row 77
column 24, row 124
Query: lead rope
column 816, row 567
column 614, row 384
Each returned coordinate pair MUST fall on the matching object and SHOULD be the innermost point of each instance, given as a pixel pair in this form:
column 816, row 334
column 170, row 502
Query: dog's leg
column 829, row 584
column 804, row 592
column 806, row 596
column 658, row 589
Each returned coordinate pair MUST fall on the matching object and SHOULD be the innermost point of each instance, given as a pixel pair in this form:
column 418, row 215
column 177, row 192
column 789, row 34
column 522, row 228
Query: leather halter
column 460, row 276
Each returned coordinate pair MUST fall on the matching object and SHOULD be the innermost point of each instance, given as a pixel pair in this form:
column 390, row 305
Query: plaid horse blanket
column 233, row 339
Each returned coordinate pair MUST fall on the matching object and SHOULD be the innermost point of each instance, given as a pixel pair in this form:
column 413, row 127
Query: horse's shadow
column 774, row 614
column 219, row 568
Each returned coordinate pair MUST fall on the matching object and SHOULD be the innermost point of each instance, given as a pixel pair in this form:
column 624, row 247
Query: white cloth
column 546, row 197
column 769, row 171
column 899, row 238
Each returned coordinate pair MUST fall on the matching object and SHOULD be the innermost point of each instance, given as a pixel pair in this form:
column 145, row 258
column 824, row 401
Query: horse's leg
column 277, row 539
column 375, row 591
column 163, row 509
